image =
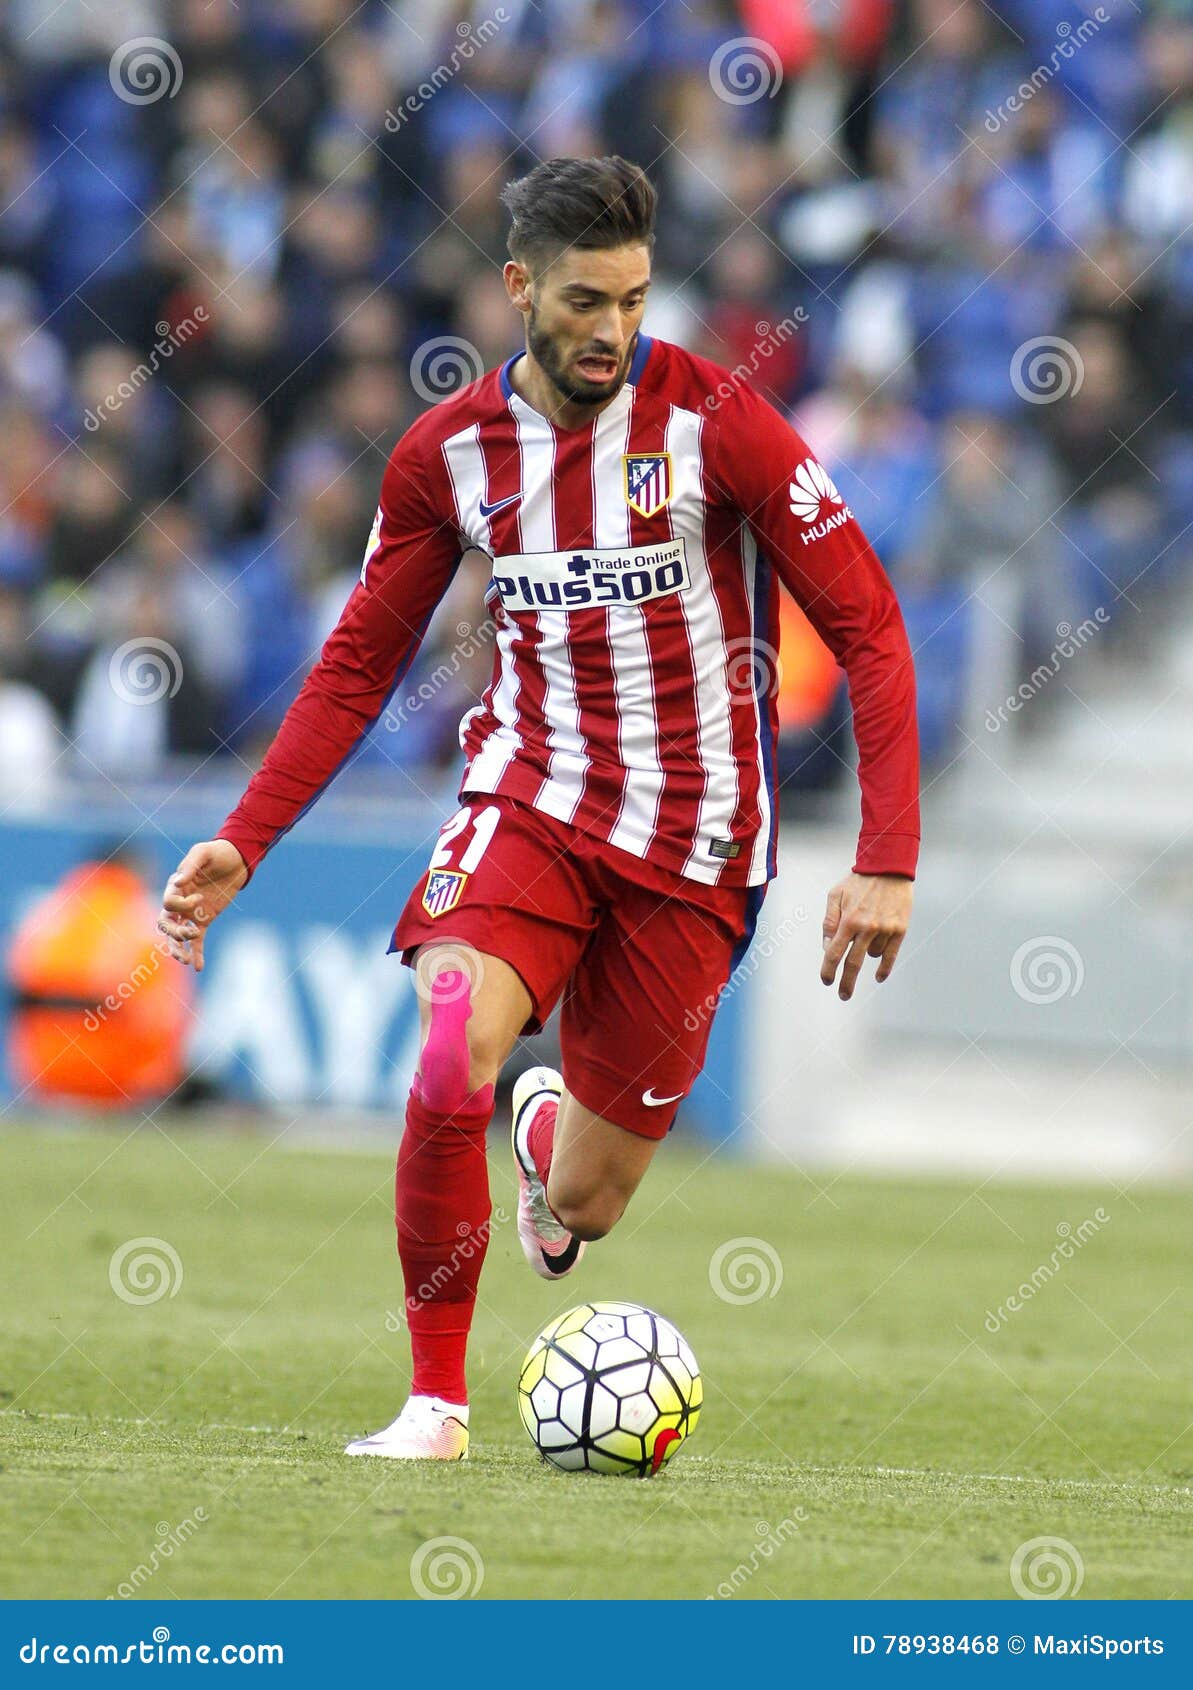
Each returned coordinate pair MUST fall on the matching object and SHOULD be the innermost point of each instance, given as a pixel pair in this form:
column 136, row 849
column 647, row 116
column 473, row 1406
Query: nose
column 606, row 332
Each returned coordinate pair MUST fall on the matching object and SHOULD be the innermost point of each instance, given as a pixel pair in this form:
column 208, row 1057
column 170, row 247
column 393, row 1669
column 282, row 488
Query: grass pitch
column 865, row 1432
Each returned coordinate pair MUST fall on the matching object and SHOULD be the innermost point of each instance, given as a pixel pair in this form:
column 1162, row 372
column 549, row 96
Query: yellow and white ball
column 610, row 1388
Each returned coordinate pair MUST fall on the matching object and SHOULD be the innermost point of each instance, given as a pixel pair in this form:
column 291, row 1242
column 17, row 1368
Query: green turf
column 862, row 1424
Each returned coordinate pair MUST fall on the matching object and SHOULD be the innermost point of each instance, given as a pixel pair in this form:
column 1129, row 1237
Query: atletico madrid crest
column 647, row 481
column 442, row 891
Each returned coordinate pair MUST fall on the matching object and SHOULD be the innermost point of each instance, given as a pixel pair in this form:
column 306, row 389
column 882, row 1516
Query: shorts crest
column 442, row 891
column 647, row 481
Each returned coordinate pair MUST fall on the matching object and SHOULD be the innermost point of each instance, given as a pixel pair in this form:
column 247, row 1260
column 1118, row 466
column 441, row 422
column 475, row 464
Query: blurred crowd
column 946, row 237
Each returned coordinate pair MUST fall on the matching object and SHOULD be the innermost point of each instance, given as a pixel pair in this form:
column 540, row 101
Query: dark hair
column 583, row 202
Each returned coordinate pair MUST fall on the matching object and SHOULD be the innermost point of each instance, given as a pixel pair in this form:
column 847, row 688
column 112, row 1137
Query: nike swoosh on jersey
column 653, row 1102
column 490, row 510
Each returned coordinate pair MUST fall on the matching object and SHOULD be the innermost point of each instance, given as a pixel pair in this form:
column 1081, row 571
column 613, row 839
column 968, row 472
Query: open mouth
column 595, row 367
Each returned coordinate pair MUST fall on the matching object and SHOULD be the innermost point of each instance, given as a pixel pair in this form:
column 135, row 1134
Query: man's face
column 583, row 312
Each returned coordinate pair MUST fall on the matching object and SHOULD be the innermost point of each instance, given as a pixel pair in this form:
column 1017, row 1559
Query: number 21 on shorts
column 445, row 882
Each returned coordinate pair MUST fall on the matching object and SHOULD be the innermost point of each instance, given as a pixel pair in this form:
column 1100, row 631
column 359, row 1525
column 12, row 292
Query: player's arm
column 413, row 553
column 842, row 588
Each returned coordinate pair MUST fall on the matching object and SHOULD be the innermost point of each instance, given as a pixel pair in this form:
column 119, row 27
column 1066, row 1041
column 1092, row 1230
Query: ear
column 518, row 286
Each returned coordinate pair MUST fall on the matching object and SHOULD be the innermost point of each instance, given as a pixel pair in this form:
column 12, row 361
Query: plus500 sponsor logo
column 583, row 579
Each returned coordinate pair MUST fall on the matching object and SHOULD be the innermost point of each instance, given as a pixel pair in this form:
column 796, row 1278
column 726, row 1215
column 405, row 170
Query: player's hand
column 866, row 915
column 204, row 883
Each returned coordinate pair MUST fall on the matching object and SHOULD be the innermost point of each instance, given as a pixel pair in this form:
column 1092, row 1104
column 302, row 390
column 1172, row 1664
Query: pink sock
column 541, row 1138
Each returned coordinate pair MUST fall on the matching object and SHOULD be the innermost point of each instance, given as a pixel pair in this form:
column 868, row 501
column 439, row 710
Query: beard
column 575, row 388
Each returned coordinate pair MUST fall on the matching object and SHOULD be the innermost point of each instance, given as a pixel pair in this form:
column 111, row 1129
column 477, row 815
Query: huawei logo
column 811, row 491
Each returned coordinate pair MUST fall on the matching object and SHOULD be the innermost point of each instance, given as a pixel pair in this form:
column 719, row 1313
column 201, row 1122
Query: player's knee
column 486, row 1055
column 587, row 1215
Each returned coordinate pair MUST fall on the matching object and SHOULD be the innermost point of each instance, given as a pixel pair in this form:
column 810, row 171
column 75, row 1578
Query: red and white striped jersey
column 635, row 571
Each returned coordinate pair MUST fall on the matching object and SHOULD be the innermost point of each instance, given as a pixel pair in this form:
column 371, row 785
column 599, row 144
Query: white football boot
column 549, row 1247
column 428, row 1429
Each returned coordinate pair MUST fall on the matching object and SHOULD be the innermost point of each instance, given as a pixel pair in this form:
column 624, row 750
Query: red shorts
column 638, row 953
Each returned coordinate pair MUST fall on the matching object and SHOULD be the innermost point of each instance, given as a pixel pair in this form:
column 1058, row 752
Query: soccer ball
column 609, row 1388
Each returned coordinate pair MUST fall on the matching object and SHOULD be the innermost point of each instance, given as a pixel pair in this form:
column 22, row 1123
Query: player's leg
column 473, row 1006
column 492, row 931
column 636, row 1020
column 593, row 1167
column 588, row 1189
column 577, row 1171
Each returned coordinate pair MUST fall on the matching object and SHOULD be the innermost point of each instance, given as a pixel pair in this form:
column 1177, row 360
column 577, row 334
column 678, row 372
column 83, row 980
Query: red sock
column 441, row 1204
column 540, row 1139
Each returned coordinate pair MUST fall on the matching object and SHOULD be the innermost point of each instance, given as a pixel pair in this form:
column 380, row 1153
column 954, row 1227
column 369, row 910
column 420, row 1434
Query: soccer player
column 640, row 506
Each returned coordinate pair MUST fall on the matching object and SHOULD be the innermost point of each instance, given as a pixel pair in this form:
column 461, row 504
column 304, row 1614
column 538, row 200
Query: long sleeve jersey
column 636, row 564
